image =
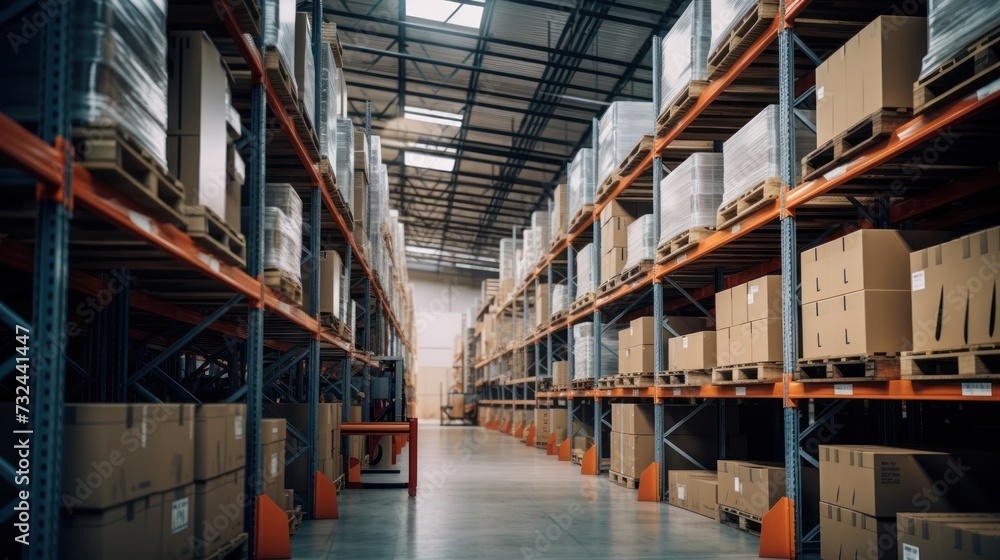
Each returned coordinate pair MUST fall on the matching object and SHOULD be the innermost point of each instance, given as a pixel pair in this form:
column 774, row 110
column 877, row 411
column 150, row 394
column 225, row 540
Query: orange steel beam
column 29, row 152
column 794, row 8
column 250, row 54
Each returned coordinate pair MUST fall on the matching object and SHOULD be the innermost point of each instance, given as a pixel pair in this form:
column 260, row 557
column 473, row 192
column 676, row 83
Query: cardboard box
column 541, row 305
column 880, row 481
column 176, row 514
column 624, row 360
column 125, row 530
column 722, row 355
column 857, row 324
column 136, row 449
column 738, row 295
column 219, row 446
column 723, row 309
column 890, row 52
column 612, row 263
column 557, row 213
column 636, row 454
column 218, row 512
column 298, row 416
column 765, row 340
column 948, row 536
column 614, row 231
column 830, row 80
column 641, row 359
column 849, row 535
column 632, row 419
column 940, row 299
column 678, row 493
column 741, row 344
column 272, row 439
column 692, row 351
column 854, row 73
column 616, row 452
column 705, row 488
column 625, row 209
column 560, row 373
column 984, row 321
column 764, row 298
column 751, row 488
column 289, row 503
column 641, row 331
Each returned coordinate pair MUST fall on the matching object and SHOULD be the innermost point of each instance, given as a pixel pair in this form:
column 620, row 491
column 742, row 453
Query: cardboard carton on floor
column 218, row 512
column 272, row 439
column 948, row 536
column 851, row 535
column 751, row 488
column 695, row 491
column 176, row 514
column 126, row 530
column 218, row 438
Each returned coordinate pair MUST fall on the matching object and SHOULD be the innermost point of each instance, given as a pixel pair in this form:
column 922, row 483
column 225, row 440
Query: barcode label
column 977, row 389
column 843, row 389
column 741, row 391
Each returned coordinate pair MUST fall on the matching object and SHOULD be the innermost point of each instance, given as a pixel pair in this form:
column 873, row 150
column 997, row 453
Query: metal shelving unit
column 190, row 300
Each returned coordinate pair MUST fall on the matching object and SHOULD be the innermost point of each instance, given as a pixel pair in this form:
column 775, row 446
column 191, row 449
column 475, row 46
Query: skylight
column 432, row 147
column 427, row 161
column 432, row 116
column 443, row 11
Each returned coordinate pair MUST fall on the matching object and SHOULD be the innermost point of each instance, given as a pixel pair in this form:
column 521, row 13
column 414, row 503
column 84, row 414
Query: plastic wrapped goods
column 580, row 180
column 345, row 160
column 559, row 298
column 952, row 25
column 119, row 69
column 641, row 241
column 690, row 196
column 282, row 242
column 619, row 129
column 540, row 223
column 684, row 51
column 283, row 197
column 584, row 271
column 326, row 131
column 528, row 258
column 753, row 154
column 508, row 258
column 280, row 34
column 726, row 14
column 305, row 67
column 583, row 352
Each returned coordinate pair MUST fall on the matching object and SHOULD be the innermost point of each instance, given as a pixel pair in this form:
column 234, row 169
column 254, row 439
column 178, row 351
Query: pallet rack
column 189, row 297
column 766, row 241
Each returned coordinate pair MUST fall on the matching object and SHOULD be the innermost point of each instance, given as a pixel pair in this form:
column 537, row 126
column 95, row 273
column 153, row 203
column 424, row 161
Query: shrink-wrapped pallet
column 641, row 241
column 952, row 25
column 559, row 299
column 345, row 161
column 726, row 14
column 621, row 126
column 583, row 352
column 540, row 223
column 584, row 270
column 280, row 33
column 684, row 51
column 580, row 182
column 690, row 195
column 508, row 258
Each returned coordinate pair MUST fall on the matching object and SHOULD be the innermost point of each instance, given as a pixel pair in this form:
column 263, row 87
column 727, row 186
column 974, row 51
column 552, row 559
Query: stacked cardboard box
column 128, row 481
column 558, row 212
column 560, row 374
column 751, row 488
column 635, row 344
column 953, row 293
column 541, row 305
column 549, row 420
column 691, row 351
column 855, row 293
column 874, row 70
column 615, row 219
column 632, row 445
column 273, row 432
column 219, row 464
column 948, row 536
column 356, row 444
column 298, row 475
column 695, row 491
column 748, row 322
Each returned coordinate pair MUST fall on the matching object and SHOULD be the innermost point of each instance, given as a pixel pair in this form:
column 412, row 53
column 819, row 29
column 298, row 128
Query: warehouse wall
column 439, row 303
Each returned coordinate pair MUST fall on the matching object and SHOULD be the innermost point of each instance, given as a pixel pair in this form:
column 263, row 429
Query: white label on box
column 917, row 281
column 749, row 299
column 274, row 465
column 753, row 289
column 987, row 90
column 681, row 259
column 141, row 221
column 819, row 93
column 681, row 492
column 846, row 389
column 179, row 515
column 741, row 391
column 677, row 392
column 911, row 552
column 684, row 342
column 238, row 426
column 737, row 486
column 737, row 228
column 977, row 389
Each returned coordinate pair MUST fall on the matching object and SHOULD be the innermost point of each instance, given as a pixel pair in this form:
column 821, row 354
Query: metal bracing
column 665, row 438
column 658, row 354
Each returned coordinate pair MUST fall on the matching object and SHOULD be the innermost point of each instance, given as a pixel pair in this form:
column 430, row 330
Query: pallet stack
column 748, row 327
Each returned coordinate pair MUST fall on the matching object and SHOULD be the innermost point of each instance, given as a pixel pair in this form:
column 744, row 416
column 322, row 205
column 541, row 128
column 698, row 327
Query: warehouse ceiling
column 481, row 104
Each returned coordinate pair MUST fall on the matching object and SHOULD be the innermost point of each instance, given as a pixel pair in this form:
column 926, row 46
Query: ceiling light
column 432, row 116
column 427, row 161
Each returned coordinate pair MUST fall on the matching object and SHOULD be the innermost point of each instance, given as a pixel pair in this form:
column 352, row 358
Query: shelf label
column 211, row 261
column 988, row 90
column 977, row 389
column 843, row 389
column 635, row 392
column 681, row 259
column 677, row 392
column 836, row 173
column 741, row 391
column 917, row 281
column 285, row 307
column 141, row 221
column 737, row 228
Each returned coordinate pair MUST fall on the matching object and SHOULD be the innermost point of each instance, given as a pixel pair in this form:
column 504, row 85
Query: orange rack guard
column 408, row 428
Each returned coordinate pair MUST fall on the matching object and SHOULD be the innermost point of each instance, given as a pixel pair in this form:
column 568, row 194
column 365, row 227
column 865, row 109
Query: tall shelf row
column 876, row 188
column 161, row 320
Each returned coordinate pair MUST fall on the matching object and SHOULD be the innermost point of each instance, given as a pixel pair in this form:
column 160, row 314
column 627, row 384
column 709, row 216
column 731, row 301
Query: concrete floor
column 485, row 495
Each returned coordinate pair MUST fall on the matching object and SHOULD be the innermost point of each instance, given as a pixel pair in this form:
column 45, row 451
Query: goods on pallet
column 684, row 52
column 750, row 488
column 223, row 495
column 280, row 34
column 355, row 198
column 580, row 183
column 616, row 218
column 584, row 270
column 621, row 126
column 748, row 322
column 508, row 265
column 332, row 292
column 540, row 225
column 953, row 293
column 549, row 420
column 488, row 289
column 541, row 309
column 297, row 474
column 953, row 25
column 528, row 257
column 692, row 351
column 559, row 211
column 560, row 373
column 219, row 464
column 119, row 78
column 948, row 536
column 196, row 124
column 695, row 491
column 583, row 352
column 691, row 195
column 283, row 230
column 641, row 241
column 849, row 534
column 305, row 68
column 326, row 128
column 726, row 15
column 559, row 299
column 273, row 432
column 752, row 156
column 855, row 293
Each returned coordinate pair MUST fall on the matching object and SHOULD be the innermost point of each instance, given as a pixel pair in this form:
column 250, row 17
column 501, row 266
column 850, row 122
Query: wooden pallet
column 576, row 456
column 680, row 106
column 558, row 316
column 842, row 148
column 749, row 202
column 294, row 519
column 114, row 155
column 327, row 172
column 221, row 239
column 283, row 84
column 622, row 480
column 628, row 165
column 232, row 550
column 247, row 14
column 979, row 66
column 583, row 214
column 741, row 36
column 340, row 482
column 747, row 374
column 682, row 243
column 283, row 283
column 582, row 384
column 881, row 367
column 607, row 382
column 635, row 380
column 635, row 272
column 979, row 363
column 740, row 520
column 608, row 286
column 556, row 240
column 685, row 378
column 586, row 300
column 328, row 35
column 559, row 388
column 335, row 324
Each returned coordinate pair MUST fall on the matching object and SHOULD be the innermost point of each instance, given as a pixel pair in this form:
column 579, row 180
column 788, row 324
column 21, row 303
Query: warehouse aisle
column 485, row 495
